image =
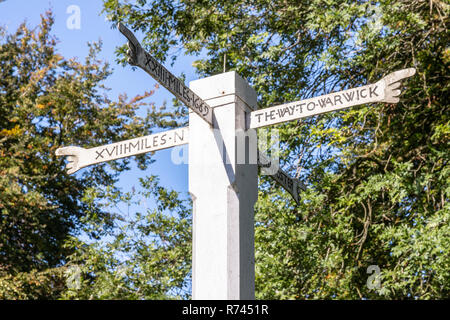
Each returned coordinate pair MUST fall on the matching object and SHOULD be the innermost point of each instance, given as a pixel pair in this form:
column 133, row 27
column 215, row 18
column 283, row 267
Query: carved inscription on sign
column 142, row 59
column 385, row 90
column 139, row 145
column 79, row 157
column 177, row 87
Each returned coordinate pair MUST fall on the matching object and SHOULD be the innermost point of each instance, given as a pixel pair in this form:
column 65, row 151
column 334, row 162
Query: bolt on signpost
column 222, row 186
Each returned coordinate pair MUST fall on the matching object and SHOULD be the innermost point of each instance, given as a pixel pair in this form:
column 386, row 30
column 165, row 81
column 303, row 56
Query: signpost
column 223, row 189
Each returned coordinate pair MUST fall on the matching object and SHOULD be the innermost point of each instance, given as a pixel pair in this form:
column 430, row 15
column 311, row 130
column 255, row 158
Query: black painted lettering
column 259, row 117
column 301, row 107
column 349, row 96
column 336, row 98
column 153, row 66
column 147, row 146
column 279, row 176
column 272, row 115
column 309, row 104
column 291, row 110
column 268, row 115
column 155, row 141
column 110, row 153
column 290, row 184
column 322, row 102
column 172, row 81
column 99, row 154
column 186, row 94
column 282, row 112
column 134, row 145
column 181, row 138
column 166, row 77
column 196, row 100
column 363, row 90
column 158, row 71
column 163, row 75
column 373, row 92
column 147, row 60
column 206, row 109
column 163, row 139
column 178, row 88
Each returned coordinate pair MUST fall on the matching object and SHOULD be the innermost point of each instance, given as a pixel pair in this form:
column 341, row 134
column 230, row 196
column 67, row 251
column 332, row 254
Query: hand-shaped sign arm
column 137, row 56
column 134, row 47
column 76, row 158
column 392, row 83
column 385, row 90
column 80, row 157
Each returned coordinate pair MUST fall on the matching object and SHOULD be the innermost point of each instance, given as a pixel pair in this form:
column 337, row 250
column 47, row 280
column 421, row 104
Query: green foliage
column 147, row 255
column 377, row 175
column 46, row 284
column 47, row 101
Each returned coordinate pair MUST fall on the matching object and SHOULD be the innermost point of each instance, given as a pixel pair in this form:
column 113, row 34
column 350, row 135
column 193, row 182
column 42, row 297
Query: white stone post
column 224, row 191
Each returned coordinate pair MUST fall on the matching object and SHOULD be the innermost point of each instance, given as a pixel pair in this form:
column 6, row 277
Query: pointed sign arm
column 385, row 90
column 79, row 158
column 289, row 184
column 137, row 56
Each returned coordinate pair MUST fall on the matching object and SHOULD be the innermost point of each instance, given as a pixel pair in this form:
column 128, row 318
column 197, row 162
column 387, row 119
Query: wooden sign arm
column 265, row 162
column 392, row 83
column 289, row 184
column 137, row 56
column 134, row 47
column 79, row 158
column 385, row 90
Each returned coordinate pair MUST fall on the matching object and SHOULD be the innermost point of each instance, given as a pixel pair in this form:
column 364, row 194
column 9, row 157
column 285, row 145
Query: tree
column 377, row 176
column 147, row 255
column 47, row 101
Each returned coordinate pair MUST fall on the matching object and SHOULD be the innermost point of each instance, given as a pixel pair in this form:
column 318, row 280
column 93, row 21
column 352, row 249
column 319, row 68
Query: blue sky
column 73, row 43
